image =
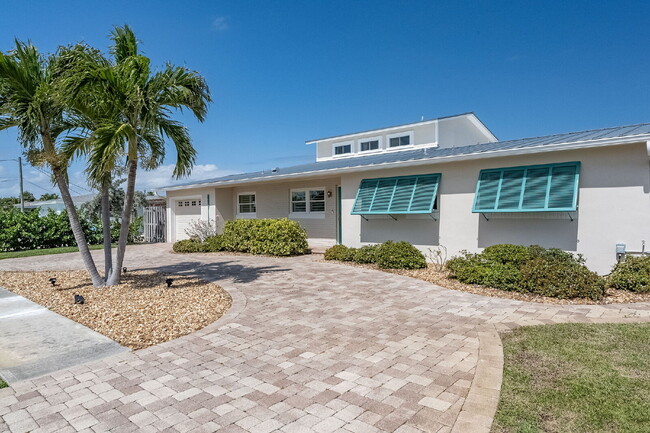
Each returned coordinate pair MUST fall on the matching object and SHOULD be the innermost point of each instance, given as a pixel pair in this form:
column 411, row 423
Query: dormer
column 454, row 131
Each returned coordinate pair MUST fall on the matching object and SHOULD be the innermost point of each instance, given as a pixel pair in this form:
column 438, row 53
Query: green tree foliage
column 49, row 196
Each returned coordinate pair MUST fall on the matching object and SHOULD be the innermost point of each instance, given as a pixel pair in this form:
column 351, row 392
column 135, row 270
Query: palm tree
column 28, row 101
column 136, row 108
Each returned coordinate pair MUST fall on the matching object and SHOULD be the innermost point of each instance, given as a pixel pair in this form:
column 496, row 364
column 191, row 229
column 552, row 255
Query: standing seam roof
column 434, row 152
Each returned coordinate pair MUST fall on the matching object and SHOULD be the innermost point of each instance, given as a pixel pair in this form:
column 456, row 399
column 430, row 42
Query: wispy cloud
column 163, row 176
column 221, row 24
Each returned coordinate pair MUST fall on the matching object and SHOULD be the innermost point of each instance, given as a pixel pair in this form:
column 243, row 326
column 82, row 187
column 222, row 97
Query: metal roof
column 533, row 144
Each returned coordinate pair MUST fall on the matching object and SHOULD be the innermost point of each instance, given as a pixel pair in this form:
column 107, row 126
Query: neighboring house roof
column 79, row 199
column 548, row 143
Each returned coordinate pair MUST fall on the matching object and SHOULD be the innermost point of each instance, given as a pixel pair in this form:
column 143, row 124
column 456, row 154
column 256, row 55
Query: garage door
column 186, row 211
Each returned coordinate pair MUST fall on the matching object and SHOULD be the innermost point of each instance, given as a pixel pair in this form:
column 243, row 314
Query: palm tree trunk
column 126, row 221
column 106, row 228
column 78, row 232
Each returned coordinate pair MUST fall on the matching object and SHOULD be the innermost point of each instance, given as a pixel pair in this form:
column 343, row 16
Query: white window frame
column 378, row 138
column 308, row 214
column 400, row 134
column 241, row 214
column 343, row 143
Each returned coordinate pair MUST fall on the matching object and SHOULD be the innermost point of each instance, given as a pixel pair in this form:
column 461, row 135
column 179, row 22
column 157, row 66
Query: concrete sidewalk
column 35, row 341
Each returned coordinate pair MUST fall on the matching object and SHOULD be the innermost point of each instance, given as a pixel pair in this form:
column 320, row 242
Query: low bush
column 632, row 274
column 275, row 237
column 389, row 255
column 399, row 255
column 476, row 269
column 548, row 272
column 339, row 252
column 189, row 246
column 214, row 244
column 365, row 254
column 561, row 279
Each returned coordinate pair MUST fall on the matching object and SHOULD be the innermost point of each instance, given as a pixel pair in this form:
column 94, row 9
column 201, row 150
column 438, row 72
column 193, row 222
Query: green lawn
column 44, row 252
column 3, row 384
column 576, row 378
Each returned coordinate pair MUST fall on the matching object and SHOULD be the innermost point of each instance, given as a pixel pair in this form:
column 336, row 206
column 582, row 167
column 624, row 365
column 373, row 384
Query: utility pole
column 20, row 174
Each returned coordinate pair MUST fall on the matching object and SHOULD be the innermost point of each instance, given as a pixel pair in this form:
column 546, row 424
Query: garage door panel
column 187, row 210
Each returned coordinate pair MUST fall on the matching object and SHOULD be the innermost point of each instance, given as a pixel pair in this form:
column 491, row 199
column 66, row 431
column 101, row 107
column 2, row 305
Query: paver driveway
column 307, row 346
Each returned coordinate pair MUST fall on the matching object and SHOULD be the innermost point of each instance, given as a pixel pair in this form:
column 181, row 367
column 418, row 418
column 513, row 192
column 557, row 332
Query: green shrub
column 548, row 272
column 365, row 254
column 476, row 269
column 214, row 244
column 340, row 252
column 399, row 255
column 507, row 254
column 560, row 278
column 28, row 230
column 188, row 246
column 632, row 274
column 276, row 237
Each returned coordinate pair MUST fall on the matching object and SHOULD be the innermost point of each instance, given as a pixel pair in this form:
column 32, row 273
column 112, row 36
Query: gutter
column 430, row 161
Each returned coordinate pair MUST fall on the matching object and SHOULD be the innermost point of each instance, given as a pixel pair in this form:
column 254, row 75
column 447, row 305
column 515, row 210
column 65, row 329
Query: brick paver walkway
column 308, row 346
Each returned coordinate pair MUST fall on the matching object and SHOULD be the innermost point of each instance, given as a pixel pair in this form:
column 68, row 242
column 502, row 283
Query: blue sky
column 285, row 72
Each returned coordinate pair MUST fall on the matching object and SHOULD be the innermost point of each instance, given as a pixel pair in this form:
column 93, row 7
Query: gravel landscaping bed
column 442, row 279
column 140, row 312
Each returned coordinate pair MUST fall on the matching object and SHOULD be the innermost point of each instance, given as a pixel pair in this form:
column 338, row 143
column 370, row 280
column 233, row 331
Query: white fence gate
column 154, row 224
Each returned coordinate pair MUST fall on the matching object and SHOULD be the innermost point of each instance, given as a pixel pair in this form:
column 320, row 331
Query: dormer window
column 399, row 140
column 342, row 148
column 368, row 145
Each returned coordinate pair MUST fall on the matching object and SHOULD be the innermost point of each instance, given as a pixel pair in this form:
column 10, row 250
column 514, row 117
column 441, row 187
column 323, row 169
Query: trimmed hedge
column 399, row 255
column 275, row 237
column 340, row 252
column 632, row 274
column 29, row 231
column 548, row 272
column 389, row 255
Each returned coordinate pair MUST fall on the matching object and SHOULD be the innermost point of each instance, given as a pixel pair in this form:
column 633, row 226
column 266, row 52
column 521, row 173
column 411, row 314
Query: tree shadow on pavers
column 217, row 271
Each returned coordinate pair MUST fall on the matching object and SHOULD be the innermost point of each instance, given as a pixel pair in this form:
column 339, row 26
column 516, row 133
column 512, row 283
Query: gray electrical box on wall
column 620, row 248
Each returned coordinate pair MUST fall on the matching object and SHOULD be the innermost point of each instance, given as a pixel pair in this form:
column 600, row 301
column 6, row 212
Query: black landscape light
column 53, row 281
column 169, row 282
column 78, row 299
column 124, row 270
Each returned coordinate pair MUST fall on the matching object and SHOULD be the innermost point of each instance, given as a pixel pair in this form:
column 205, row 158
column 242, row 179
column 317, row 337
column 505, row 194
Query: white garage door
column 186, row 211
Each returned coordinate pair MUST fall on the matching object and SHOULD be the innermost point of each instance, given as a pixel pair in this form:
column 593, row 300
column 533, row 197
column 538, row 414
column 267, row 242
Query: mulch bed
column 441, row 278
column 140, row 312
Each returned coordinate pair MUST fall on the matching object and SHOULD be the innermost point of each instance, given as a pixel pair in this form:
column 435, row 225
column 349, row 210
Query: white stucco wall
column 273, row 201
column 614, row 207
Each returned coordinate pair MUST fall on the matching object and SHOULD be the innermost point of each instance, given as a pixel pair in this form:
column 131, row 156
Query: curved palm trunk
column 106, row 229
column 124, row 226
column 78, row 232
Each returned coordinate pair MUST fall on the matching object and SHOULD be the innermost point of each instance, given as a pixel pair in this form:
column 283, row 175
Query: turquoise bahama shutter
column 397, row 195
column 536, row 188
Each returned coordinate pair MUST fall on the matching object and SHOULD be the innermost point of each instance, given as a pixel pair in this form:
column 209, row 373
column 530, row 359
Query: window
column 368, row 145
column 342, row 148
column 397, row 195
column 308, row 201
column 180, row 204
column 246, row 203
column 535, row 188
column 400, row 140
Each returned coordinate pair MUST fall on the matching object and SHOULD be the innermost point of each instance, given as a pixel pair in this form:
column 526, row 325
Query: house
column 450, row 182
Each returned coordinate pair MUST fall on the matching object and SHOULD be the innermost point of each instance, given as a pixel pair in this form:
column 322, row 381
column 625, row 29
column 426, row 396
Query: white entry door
column 187, row 210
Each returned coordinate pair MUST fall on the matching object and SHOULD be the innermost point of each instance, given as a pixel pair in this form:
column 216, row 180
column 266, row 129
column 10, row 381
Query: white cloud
column 163, row 176
column 221, row 24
